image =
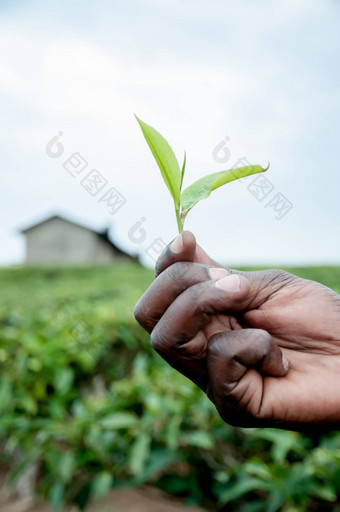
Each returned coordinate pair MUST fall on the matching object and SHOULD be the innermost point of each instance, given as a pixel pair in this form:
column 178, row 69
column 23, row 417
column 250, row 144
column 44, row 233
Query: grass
column 32, row 286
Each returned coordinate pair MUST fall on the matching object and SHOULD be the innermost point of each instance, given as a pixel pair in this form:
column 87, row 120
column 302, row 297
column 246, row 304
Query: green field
column 83, row 394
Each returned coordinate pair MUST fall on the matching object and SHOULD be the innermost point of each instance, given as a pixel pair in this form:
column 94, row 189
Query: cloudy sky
column 222, row 79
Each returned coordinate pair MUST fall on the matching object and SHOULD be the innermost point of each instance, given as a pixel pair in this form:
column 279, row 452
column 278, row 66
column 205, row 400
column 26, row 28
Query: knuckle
column 202, row 306
column 201, row 297
column 214, row 345
column 158, row 269
column 139, row 313
column 193, row 294
column 144, row 319
column 178, row 270
column 163, row 261
column 160, row 266
column 264, row 343
column 279, row 276
column 156, row 340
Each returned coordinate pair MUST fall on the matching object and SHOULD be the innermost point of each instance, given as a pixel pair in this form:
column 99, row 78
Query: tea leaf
column 56, row 496
column 173, row 175
column 101, row 484
column 183, row 169
column 202, row 188
column 165, row 158
column 139, row 453
column 118, row 420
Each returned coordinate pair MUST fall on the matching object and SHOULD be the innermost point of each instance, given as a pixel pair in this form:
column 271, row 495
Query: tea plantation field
column 83, row 396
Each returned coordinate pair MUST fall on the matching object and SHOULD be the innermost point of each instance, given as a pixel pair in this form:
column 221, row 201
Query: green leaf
column 165, row 158
column 159, row 460
column 139, row 453
column 63, row 381
column 101, row 484
column 172, row 431
column 256, row 467
column 282, row 442
column 56, row 496
column 5, row 394
column 66, row 466
column 183, row 169
column 202, row 188
column 275, row 501
column 241, row 488
column 118, row 420
column 325, row 492
column 198, row 438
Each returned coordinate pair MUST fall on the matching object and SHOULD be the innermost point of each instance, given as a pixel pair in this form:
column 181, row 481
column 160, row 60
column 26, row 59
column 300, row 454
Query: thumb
column 251, row 289
column 183, row 248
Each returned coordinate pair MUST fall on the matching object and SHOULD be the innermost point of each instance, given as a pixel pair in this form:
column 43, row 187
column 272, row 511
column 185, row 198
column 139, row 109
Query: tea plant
column 173, row 176
column 134, row 428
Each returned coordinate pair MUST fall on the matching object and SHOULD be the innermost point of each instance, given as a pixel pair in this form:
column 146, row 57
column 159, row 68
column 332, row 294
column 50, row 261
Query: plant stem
column 179, row 220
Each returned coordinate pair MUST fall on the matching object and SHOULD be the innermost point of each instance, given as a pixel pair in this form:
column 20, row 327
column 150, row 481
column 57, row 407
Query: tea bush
column 83, row 396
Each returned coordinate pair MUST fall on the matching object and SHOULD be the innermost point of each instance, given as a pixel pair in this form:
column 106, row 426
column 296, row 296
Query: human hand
column 228, row 330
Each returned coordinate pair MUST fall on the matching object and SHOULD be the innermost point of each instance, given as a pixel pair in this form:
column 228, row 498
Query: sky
column 227, row 81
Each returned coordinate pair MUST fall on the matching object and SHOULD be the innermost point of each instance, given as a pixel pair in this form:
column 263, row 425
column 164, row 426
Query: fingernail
column 285, row 363
column 177, row 245
column 230, row 283
column 217, row 273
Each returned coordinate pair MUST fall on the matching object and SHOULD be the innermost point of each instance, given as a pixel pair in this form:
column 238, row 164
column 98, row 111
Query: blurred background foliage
column 83, row 396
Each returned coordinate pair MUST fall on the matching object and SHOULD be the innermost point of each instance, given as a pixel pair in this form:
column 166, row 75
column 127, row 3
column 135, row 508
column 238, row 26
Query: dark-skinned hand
column 264, row 346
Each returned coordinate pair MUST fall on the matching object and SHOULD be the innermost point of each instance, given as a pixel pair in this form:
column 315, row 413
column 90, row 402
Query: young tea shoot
column 173, row 175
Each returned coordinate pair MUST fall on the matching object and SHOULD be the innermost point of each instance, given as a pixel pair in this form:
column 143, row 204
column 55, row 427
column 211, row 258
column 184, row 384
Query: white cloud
column 249, row 90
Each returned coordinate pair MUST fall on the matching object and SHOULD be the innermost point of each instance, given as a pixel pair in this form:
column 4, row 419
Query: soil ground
column 144, row 499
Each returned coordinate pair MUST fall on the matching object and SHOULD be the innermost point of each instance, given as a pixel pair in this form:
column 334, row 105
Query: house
column 58, row 240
